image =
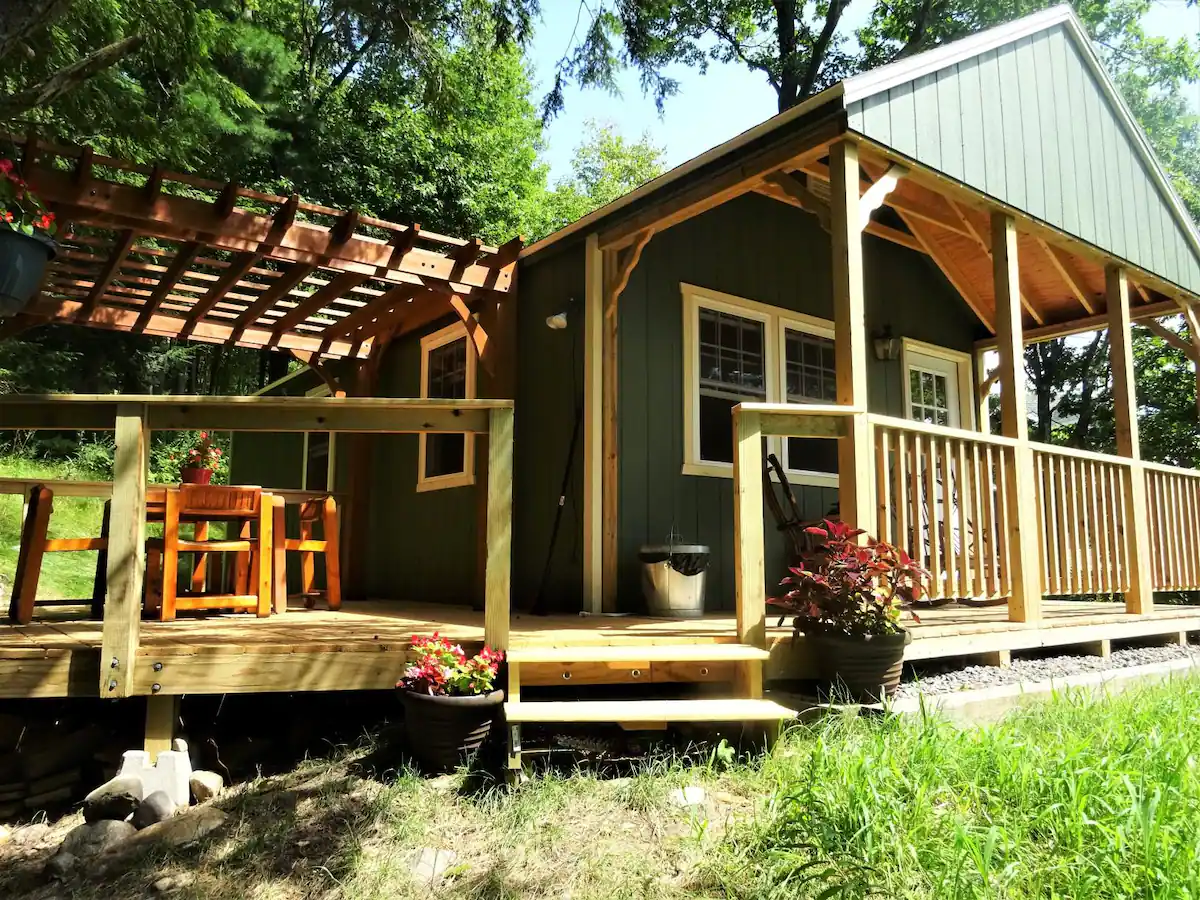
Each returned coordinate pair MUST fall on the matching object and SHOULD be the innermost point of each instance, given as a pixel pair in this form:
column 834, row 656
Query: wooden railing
column 1173, row 497
column 1082, row 520
column 941, row 495
column 134, row 417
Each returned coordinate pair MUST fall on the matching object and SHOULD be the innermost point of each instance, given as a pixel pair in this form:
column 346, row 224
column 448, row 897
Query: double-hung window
column 738, row 351
column 447, row 372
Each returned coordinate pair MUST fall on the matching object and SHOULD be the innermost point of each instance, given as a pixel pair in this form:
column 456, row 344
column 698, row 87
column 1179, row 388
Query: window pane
column 812, row 455
column 716, row 428
column 317, row 477
column 808, row 369
column 445, row 454
column 448, row 370
column 731, row 356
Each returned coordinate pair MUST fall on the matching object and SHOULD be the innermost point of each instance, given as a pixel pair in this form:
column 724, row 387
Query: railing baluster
column 903, row 477
column 962, row 490
column 935, row 556
column 980, row 588
column 918, row 539
column 949, row 563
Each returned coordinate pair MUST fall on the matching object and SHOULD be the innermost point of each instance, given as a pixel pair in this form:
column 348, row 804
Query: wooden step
column 638, row 653
column 647, row 711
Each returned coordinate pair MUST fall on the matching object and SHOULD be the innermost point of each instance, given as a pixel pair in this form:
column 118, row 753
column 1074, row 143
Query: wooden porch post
column 855, row 474
column 594, row 335
column 1024, row 550
column 498, row 588
column 749, row 556
column 1140, row 597
column 126, row 552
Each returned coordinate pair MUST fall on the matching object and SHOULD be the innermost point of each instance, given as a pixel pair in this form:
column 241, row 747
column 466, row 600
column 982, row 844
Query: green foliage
column 1066, row 799
column 605, row 166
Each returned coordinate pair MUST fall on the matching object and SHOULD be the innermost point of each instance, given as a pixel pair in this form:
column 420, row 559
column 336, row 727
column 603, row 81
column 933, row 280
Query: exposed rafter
column 985, row 246
column 1071, row 278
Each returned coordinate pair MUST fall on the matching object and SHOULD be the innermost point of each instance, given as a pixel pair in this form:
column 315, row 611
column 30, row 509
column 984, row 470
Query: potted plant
column 202, row 458
column 450, row 700
column 848, row 599
column 26, row 245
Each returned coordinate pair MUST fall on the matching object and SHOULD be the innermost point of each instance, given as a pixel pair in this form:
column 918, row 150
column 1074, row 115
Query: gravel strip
column 945, row 681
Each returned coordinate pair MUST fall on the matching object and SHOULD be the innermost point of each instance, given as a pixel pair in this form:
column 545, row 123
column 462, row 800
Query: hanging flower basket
column 25, row 241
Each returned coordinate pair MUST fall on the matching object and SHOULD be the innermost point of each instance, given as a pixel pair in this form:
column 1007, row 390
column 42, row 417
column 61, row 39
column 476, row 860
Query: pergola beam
column 111, row 268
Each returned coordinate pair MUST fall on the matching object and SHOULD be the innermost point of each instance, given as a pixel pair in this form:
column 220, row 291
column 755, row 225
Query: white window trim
column 466, row 477
column 914, row 352
column 774, row 319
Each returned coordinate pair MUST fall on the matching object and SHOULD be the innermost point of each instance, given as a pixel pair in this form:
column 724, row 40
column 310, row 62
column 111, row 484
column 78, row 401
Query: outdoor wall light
column 558, row 321
column 887, row 345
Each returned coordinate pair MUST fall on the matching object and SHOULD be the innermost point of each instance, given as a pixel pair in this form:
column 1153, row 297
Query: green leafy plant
column 844, row 587
column 443, row 669
column 22, row 210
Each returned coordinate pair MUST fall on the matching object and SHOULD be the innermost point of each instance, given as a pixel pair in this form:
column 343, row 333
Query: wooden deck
column 364, row 646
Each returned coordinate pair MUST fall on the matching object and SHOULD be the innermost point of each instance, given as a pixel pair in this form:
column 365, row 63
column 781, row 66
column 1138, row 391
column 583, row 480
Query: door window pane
column 732, row 368
column 929, row 395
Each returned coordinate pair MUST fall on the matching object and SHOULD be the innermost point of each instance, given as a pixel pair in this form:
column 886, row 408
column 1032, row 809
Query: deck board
column 364, row 645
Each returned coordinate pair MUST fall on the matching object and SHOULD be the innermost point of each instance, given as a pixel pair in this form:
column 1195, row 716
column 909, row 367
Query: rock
column 179, row 745
column 164, row 884
column 181, row 829
column 60, row 865
column 444, row 783
column 688, row 796
column 5, row 835
column 206, row 785
column 96, row 837
column 429, row 864
column 158, row 807
column 115, row 799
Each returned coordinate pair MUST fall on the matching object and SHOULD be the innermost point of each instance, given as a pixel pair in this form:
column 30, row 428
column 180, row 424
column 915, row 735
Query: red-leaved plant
column 444, row 670
column 847, row 588
column 20, row 208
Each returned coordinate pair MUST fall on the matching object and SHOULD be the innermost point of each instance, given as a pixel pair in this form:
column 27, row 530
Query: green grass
column 64, row 575
column 1067, row 799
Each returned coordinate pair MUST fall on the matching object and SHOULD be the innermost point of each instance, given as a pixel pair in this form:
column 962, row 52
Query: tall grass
column 1068, row 799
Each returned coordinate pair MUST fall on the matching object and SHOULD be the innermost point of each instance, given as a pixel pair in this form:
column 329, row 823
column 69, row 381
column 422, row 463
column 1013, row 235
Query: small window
column 447, row 372
column 738, row 351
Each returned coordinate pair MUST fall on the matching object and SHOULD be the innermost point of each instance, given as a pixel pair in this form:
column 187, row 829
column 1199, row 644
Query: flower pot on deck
column 195, row 475
column 23, row 259
column 443, row 732
column 865, row 667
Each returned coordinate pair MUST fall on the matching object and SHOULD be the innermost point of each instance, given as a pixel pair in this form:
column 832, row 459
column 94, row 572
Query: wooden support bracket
column 878, row 192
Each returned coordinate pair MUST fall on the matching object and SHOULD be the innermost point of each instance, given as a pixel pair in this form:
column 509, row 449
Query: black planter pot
column 443, row 732
column 23, row 259
column 866, row 667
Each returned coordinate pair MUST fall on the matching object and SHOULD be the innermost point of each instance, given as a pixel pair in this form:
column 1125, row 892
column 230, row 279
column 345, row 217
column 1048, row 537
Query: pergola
column 150, row 251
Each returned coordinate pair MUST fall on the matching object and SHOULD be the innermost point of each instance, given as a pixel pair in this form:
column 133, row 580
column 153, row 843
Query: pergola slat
column 250, row 268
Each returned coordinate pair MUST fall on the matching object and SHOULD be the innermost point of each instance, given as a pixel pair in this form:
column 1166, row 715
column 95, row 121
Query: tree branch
column 21, row 18
column 816, row 57
column 916, row 37
column 69, row 77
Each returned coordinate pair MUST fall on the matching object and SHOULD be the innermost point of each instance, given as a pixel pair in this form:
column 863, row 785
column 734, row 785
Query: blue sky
column 709, row 108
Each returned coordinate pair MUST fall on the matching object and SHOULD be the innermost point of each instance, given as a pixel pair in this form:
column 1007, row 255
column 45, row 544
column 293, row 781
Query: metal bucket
column 673, row 578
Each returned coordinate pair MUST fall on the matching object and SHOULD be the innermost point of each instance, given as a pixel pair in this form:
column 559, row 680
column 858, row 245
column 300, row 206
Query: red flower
column 6, row 166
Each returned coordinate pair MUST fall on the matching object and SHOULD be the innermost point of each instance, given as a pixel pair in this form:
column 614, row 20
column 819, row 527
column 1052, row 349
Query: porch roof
column 964, row 130
column 146, row 250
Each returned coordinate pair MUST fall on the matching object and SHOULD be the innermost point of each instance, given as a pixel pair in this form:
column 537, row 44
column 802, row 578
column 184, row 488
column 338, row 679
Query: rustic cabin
column 834, row 296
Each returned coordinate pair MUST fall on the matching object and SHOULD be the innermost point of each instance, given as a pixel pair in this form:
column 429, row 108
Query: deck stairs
column 739, row 664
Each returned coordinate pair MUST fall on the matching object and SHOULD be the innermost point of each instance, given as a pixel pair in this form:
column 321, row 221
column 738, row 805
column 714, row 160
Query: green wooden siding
column 549, row 391
column 421, row 546
column 1029, row 123
column 766, row 251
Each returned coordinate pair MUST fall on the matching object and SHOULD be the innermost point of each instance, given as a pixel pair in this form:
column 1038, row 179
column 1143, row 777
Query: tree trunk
column 21, row 18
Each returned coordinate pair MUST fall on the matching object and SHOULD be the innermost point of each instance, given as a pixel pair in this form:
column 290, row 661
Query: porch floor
column 363, row 646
